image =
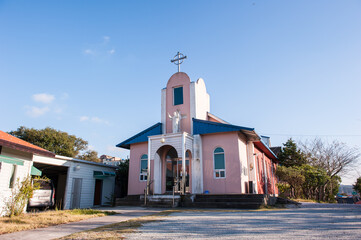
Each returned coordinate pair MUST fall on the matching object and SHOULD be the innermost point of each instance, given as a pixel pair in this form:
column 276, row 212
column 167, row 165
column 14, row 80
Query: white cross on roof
column 178, row 59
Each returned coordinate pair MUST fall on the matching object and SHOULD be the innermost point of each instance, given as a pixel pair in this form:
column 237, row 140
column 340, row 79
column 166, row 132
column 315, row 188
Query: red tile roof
column 10, row 141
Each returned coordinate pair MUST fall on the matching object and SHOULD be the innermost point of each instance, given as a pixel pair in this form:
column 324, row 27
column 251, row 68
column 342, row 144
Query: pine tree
column 291, row 155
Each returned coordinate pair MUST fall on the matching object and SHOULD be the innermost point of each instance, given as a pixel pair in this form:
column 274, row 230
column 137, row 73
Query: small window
column 219, row 163
column 143, row 167
column 178, row 96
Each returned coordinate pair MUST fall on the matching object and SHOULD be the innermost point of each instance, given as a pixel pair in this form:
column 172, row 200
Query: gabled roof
column 12, row 142
column 218, row 119
column 206, row 127
column 156, row 129
column 263, row 146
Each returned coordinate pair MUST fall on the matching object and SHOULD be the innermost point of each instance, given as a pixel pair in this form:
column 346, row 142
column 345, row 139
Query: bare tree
column 335, row 157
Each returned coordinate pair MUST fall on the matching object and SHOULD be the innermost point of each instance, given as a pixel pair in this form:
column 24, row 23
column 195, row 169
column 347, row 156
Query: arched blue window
column 143, row 167
column 219, row 163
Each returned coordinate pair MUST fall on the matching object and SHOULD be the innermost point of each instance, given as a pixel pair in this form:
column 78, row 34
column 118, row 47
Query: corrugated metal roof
column 156, row 129
column 206, row 127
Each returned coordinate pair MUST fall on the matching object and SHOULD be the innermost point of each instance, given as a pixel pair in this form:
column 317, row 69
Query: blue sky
column 95, row 68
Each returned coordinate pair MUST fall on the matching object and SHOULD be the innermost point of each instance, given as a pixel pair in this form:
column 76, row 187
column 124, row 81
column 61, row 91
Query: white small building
column 16, row 163
column 78, row 183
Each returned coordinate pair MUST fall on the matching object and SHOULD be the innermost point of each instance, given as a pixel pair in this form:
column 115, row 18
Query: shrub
column 20, row 194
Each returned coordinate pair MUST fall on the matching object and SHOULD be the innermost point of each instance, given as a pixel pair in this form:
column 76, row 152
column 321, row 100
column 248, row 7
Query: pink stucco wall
column 232, row 182
column 177, row 80
column 135, row 186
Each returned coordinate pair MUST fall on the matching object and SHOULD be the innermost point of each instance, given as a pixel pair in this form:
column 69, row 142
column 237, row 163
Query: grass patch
column 311, row 200
column 48, row 218
column 303, row 200
column 117, row 230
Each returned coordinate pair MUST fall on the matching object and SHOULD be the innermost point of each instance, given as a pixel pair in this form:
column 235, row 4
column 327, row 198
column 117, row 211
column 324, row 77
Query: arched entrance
column 173, row 171
column 168, row 171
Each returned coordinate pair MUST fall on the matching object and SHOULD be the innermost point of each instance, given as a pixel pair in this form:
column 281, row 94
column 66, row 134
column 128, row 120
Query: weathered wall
column 266, row 177
column 5, row 173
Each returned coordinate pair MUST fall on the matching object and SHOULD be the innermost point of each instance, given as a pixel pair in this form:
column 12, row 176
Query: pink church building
column 193, row 151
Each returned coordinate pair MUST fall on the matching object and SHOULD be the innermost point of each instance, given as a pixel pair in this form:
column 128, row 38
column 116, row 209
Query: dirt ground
column 310, row 221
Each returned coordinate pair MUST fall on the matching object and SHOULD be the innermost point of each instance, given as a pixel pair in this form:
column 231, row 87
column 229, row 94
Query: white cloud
column 58, row 110
column 99, row 50
column 84, row 118
column 46, row 103
column 36, row 111
column 106, row 39
column 64, row 96
column 43, row 98
column 94, row 120
column 89, row 52
column 99, row 120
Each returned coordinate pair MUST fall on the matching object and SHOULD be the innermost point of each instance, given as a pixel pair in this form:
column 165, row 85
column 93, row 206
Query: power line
column 312, row 135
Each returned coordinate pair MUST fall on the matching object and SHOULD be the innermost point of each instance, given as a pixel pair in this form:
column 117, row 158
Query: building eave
column 23, row 148
column 142, row 136
column 263, row 146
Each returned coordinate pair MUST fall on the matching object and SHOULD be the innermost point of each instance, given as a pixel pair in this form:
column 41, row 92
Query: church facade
column 193, row 151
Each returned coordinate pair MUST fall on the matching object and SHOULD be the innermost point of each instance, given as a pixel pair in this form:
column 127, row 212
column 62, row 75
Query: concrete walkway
column 125, row 213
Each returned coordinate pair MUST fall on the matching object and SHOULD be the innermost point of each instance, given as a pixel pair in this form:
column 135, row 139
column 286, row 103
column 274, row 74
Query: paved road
column 311, row 221
column 125, row 213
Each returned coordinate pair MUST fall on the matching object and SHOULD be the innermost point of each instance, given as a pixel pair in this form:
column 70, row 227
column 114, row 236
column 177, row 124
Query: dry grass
column 303, row 200
column 45, row 219
column 116, row 230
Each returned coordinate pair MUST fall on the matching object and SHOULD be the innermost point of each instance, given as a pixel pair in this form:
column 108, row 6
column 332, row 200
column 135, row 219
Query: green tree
column 294, row 177
column 357, row 185
column 55, row 141
column 335, row 157
column 89, row 155
column 291, row 155
column 315, row 181
column 122, row 178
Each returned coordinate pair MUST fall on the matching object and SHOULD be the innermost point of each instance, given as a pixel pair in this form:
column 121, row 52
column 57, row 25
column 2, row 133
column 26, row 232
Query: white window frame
column 143, row 175
column 219, row 171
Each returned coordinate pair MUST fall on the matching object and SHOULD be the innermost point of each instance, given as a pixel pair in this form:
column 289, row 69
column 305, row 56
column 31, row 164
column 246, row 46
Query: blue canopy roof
column 156, row 129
